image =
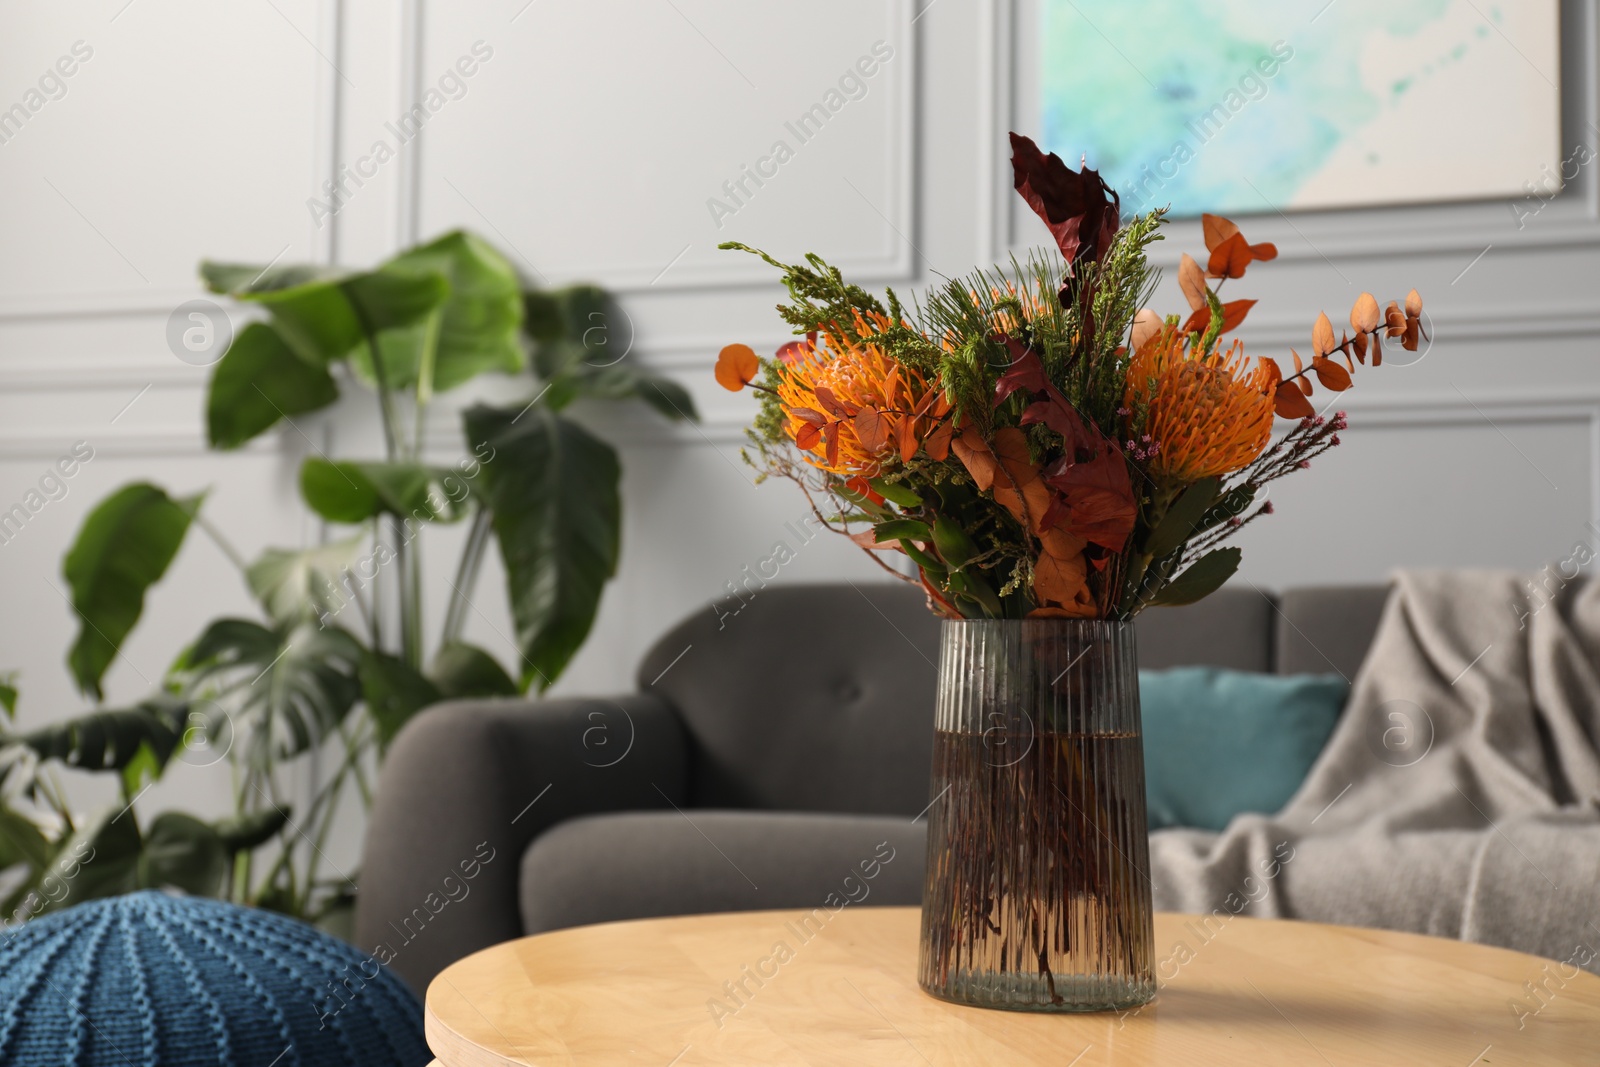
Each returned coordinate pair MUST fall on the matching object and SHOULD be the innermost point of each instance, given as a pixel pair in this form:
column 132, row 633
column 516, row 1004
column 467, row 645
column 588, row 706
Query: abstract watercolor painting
column 1238, row 106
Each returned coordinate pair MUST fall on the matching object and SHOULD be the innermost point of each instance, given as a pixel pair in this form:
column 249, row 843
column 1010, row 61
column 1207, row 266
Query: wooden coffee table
column 665, row 992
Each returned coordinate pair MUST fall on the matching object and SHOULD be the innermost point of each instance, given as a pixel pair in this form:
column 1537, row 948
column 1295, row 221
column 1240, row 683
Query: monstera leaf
column 112, row 740
column 296, row 585
column 552, row 490
column 122, row 549
column 290, row 685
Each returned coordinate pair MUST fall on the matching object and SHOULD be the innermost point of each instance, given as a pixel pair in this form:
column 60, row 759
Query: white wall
column 587, row 146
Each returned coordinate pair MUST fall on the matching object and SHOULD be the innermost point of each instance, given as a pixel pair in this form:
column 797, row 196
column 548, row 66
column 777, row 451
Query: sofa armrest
column 467, row 785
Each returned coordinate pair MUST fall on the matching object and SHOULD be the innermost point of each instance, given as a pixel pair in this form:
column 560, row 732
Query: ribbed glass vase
column 1038, row 891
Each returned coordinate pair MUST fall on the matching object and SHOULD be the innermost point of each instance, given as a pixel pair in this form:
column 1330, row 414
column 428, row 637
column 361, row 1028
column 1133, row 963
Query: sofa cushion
column 1218, row 743
column 805, row 697
column 605, row 868
column 1327, row 628
column 1230, row 628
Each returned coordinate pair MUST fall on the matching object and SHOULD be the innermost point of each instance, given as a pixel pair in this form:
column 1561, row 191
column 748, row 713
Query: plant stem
column 361, row 609
column 58, row 798
column 222, row 542
column 425, row 369
column 466, row 577
column 377, row 596
column 411, row 604
column 380, row 374
column 355, row 747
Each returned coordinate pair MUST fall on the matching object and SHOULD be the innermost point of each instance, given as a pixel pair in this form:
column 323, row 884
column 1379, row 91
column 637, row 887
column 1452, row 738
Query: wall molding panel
column 897, row 262
column 925, row 148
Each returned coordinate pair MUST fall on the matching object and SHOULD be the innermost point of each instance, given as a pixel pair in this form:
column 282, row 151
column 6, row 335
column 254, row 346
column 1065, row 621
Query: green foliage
column 580, row 340
column 553, row 491
column 112, row 739
column 353, row 492
column 295, row 585
column 336, row 666
column 473, row 332
column 181, row 852
column 259, row 381
column 460, row 670
column 394, row 691
column 1175, row 527
column 818, row 293
column 53, row 861
column 123, row 548
column 1032, row 357
column 286, row 689
column 1204, row 577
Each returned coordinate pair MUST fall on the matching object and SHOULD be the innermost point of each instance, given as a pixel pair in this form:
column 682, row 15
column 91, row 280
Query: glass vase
column 1038, row 889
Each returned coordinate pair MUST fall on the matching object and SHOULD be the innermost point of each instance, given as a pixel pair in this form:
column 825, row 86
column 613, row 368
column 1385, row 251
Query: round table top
column 667, row 992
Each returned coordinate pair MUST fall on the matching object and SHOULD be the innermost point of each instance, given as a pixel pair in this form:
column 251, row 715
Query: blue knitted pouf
column 151, row 979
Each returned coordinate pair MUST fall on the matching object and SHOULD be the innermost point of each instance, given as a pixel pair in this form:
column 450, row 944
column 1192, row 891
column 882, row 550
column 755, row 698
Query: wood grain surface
column 762, row 988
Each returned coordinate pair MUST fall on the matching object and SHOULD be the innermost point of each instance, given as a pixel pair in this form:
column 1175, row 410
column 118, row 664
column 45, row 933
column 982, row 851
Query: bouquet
column 1035, row 440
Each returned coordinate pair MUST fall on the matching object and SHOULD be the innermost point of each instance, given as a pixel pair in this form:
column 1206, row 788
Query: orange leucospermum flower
column 851, row 405
column 1206, row 413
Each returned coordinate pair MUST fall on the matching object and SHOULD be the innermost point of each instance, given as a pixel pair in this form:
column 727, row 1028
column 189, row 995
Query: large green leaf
column 296, row 585
column 258, row 381
column 666, row 396
column 285, row 688
column 184, row 853
column 353, row 492
column 580, row 324
column 461, row 670
column 552, row 489
column 251, row 829
column 394, row 691
column 21, row 841
column 474, row 331
column 1204, row 577
column 241, row 280
column 8, row 693
column 123, row 548
column 111, row 740
column 580, row 340
column 101, row 859
column 323, row 315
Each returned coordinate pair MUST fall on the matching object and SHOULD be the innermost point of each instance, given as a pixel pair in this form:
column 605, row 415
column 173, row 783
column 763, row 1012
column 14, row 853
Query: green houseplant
column 338, row 661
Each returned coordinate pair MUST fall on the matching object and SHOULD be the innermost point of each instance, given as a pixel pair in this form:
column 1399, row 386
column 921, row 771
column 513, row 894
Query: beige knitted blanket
column 1460, row 793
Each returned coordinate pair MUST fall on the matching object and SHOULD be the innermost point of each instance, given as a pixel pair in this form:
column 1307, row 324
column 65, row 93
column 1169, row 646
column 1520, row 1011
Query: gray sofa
column 767, row 756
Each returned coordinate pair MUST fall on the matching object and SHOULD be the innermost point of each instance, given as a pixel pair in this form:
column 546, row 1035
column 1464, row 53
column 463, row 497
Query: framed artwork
column 1243, row 106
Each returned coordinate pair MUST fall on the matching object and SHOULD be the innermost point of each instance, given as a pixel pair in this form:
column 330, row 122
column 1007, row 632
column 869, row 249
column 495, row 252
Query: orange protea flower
column 1207, row 414
column 851, row 405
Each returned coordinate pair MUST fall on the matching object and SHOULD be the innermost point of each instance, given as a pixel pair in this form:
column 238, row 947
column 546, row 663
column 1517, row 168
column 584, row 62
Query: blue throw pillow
column 1219, row 742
